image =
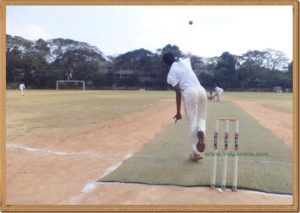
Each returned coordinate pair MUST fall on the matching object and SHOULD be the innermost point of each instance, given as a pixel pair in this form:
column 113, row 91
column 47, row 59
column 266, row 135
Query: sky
column 119, row 29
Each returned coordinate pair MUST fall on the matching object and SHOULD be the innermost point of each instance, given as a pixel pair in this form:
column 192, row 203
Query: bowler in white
column 188, row 88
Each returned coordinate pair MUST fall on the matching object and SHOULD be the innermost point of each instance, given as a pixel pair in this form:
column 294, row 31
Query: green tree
column 258, row 69
column 225, row 73
column 289, row 72
column 35, row 68
column 275, row 60
column 14, row 67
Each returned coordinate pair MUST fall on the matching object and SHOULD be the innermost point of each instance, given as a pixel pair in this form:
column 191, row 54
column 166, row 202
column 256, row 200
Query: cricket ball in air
column 190, row 22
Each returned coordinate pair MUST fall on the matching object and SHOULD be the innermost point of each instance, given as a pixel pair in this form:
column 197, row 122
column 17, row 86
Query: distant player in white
column 188, row 88
column 22, row 88
column 218, row 92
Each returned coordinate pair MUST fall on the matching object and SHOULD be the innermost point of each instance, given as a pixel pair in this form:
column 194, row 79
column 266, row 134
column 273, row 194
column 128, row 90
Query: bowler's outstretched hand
column 177, row 117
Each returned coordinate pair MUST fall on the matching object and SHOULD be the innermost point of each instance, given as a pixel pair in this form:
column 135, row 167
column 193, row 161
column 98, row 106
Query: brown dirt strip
column 62, row 166
column 279, row 121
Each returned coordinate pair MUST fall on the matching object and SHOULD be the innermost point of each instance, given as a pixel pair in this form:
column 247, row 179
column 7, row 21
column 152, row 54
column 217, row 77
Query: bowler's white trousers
column 195, row 102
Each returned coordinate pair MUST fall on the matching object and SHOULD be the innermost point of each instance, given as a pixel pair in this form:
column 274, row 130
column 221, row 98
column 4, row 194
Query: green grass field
column 40, row 109
column 45, row 109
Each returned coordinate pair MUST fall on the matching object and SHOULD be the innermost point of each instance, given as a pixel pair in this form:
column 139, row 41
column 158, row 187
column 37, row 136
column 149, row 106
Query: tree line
column 39, row 64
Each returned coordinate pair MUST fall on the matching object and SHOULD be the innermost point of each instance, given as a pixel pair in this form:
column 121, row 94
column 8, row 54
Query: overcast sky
column 118, row 29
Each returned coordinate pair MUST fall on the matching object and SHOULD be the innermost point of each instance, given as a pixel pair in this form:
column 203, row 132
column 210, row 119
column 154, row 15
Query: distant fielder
column 215, row 93
column 22, row 88
column 218, row 91
column 188, row 88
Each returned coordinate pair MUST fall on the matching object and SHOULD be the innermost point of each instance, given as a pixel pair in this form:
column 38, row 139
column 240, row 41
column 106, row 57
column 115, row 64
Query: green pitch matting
column 265, row 162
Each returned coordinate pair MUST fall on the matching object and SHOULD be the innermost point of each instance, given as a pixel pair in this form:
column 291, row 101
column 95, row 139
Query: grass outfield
column 44, row 109
column 39, row 110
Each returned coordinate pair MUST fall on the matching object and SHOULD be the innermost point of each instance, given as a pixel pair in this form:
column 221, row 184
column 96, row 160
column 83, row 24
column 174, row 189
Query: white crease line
column 89, row 153
column 90, row 186
column 29, row 149
column 114, row 167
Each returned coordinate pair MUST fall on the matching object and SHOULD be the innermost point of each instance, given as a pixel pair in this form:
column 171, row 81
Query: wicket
column 235, row 150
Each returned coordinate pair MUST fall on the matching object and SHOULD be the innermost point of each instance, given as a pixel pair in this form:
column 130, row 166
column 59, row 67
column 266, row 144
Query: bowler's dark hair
column 168, row 58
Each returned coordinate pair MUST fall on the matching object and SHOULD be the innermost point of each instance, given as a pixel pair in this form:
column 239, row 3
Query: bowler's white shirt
column 182, row 73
